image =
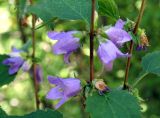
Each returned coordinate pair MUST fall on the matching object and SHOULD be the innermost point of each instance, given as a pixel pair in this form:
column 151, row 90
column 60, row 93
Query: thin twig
column 92, row 42
column 36, row 87
column 125, row 86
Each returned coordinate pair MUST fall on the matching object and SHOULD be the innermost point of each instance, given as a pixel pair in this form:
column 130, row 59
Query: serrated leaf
column 48, row 113
column 108, row 8
column 5, row 78
column 115, row 104
column 63, row 9
column 151, row 63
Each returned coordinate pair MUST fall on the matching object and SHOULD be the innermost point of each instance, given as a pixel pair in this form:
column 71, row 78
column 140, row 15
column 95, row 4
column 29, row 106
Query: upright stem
column 92, row 42
column 36, row 87
column 132, row 44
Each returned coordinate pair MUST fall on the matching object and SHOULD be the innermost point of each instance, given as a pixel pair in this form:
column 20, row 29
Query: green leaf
column 115, row 104
column 22, row 7
column 2, row 113
column 48, row 113
column 63, row 9
column 5, row 78
column 151, row 63
column 108, row 8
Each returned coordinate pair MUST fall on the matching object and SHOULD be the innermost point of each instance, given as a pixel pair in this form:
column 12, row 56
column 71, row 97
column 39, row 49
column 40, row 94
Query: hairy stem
column 132, row 44
column 92, row 42
column 36, row 87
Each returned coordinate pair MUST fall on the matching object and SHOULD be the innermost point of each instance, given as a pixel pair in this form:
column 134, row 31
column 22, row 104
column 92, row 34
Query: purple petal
column 66, row 42
column 61, row 102
column 108, row 52
column 118, row 36
column 72, row 86
column 15, row 63
column 66, row 58
column 39, row 75
column 120, row 24
column 6, row 61
column 13, row 70
column 65, row 88
column 66, row 45
column 61, row 35
column 109, row 66
column 55, row 93
column 55, row 80
column 15, row 49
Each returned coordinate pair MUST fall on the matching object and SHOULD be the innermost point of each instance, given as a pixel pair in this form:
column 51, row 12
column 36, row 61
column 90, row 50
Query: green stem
column 128, row 65
column 36, row 87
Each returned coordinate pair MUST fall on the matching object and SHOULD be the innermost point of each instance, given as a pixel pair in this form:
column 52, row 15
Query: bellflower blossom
column 117, row 35
column 14, row 61
column 66, row 44
column 108, row 52
column 64, row 89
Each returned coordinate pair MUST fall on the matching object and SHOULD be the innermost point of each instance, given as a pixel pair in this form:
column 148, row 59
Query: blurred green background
column 17, row 98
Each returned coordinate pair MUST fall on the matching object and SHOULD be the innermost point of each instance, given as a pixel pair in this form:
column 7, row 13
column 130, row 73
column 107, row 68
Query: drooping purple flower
column 39, row 74
column 66, row 44
column 65, row 89
column 117, row 35
column 15, row 63
column 108, row 52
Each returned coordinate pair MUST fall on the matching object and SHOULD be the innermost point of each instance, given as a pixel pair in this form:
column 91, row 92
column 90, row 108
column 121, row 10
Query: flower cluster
column 107, row 51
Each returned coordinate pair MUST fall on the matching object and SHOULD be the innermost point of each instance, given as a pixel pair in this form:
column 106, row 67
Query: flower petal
column 108, row 52
column 63, row 46
column 109, row 66
column 13, row 70
column 119, row 24
column 60, row 35
column 61, row 102
column 55, row 80
column 15, row 63
column 66, row 58
column 72, row 86
column 118, row 36
column 54, row 93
